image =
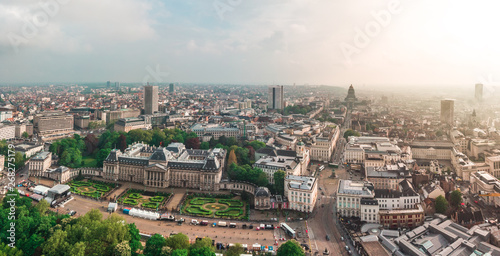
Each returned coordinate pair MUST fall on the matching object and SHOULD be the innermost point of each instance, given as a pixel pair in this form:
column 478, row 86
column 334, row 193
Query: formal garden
column 144, row 199
column 90, row 188
column 216, row 206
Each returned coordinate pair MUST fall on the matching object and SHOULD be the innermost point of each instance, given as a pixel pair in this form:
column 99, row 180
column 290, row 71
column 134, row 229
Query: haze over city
column 249, row 127
column 251, row 42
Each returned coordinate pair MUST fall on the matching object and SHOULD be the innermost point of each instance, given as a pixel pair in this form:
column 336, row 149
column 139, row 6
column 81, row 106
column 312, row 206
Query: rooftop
column 363, row 188
column 300, row 182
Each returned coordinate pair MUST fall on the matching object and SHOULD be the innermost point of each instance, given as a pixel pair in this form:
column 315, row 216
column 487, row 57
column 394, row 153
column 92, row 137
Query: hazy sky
column 251, row 41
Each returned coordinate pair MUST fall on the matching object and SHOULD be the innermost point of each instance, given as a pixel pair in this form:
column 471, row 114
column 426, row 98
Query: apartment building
column 349, row 195
column 40, row 163
column 52, row 122
column 302, row 192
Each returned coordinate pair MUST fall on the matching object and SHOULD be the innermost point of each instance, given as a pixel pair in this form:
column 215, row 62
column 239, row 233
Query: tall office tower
column 447, row 109
column 117, row 85
column 150, row 99
column 108, row 84
column 275, row 99
column 171, row 88
column 479, row 92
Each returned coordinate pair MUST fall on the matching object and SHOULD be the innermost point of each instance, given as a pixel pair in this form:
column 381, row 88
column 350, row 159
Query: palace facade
column 162, row 167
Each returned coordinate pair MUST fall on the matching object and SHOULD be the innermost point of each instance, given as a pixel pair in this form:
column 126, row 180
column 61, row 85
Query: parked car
column 327, row 238
column 71, row 213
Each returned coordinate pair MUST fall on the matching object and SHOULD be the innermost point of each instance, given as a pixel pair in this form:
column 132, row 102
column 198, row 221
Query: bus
column 334, row 165
column 288, row 230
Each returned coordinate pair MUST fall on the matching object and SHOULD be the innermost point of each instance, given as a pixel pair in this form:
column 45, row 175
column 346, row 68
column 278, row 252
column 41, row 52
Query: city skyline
column 424, row 43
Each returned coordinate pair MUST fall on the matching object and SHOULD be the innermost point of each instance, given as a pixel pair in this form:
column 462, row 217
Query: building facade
column 349, row 195
column 302, row 192
column 276, row 99
column 40, row 163
column 447, row 111
column 173, row 166
column 53, row 122
column 150, row 99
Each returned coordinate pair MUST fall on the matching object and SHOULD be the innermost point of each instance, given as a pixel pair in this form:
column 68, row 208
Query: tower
column 447, row 111
column 171, row 88
column 150, row 99
column 479, row 92
column 108, row 84
column 275, row 99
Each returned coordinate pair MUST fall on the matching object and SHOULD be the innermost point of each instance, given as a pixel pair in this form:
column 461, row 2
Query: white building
column 7, row 132
column 272, row 164
column 374, row 151
column 40, row 163
column 369, row 210
column 349, row 195
column 302, row 192
column 5, row 115
column 207, row 131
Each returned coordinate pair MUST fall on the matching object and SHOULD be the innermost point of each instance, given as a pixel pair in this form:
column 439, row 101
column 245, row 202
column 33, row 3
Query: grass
column 89, row 161
column 138, row 198
column 220, row 207
column 90, row 188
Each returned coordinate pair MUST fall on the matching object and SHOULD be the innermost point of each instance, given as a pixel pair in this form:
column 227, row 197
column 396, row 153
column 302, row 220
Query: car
column 322, row 193
column 342, row 238
column 327, row 238
column 347, row 248
column 22, row 175
column 72, row 213
column 475, row 201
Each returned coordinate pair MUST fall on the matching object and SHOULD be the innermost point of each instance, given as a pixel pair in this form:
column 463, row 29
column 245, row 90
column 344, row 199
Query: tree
column 193, row 143
column 42, row 207
column 235, row 250
column 154, row 245
column 203, row 251
column 123, row 142
column 135, row 238
column 122, row 249
column 180, row 252
column 456, row 198
column 290, row 248
column 279, row 182
column 350, row 132
column 256, row 145
column 204, row 145
column 204, row 242
column 25, row 135
column 232, row 158
column 441, row 204
column 6, row 250
column 178, row 241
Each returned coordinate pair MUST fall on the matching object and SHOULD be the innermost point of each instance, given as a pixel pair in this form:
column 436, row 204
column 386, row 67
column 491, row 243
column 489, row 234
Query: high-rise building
column 150, row 99
column 275, row 97
column 171, row 88
column 117, row 85
column 447, row 111
column 479, row 92
column 108, row 84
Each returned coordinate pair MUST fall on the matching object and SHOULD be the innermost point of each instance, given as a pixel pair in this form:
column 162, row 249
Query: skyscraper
column 108, row 84
column 171, row 88
column 117, row 85
column 479, row 92
column 150, row 99
column 275, row 99
column 447, row 111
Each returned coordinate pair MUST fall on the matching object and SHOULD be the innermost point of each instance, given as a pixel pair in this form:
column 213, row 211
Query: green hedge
column 202, row 201
column 130, row 201
column 231, row 202
column 195, row 209
column 157, row 199
column 134, row 196
column 151, row 205
column 230, row 212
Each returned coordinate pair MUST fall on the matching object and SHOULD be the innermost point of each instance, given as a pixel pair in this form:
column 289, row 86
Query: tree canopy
column 441, row 204
column 290, row 248
column 279, row 182
column 456, row 198
column 350, row 132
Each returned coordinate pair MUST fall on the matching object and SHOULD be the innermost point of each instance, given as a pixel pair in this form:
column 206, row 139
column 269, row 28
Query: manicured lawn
column 143, row 199
column 90, row 188
column 215, row 207
column 89, row 161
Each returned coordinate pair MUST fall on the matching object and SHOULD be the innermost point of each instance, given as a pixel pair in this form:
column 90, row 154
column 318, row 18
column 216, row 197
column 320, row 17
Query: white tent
column 144, row 214
column 41, row 190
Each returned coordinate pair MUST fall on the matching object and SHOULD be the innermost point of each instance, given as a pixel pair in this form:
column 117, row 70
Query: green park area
column 95, row 189
column 227, row 207
column 144, row 199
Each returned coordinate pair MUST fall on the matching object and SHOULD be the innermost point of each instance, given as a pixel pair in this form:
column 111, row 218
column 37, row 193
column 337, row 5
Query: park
column 216, row 207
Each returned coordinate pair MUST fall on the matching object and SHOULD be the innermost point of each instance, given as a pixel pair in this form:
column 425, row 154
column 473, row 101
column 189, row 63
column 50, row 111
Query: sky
column 330, row 42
